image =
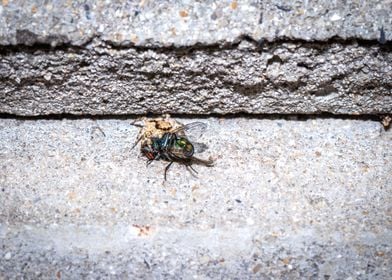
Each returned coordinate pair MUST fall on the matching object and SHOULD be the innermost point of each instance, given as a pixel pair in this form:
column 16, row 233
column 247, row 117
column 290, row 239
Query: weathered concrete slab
column 305, row 78
column 286, row 199
column 188, row 57
column 186, row 23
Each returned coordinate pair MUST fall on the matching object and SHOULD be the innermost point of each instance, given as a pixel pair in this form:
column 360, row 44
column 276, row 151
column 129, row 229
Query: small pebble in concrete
column 7, row 256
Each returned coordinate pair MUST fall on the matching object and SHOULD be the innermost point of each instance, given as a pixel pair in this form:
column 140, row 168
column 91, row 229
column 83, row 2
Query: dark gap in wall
column 300, row 117
column 259, row 45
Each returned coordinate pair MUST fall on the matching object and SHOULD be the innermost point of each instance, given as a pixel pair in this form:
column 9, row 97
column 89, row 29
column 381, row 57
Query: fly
column 166, row 139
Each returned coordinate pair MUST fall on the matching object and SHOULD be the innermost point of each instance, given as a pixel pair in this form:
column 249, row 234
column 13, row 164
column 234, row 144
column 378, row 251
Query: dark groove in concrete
column 259, row 44
column 190, row 116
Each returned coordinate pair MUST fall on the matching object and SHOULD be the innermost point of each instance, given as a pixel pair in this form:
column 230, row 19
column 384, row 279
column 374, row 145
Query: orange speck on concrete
column 134, row 38
column 380, row 253
column 71, row 195
column 183, row 13
column 143, row 230
column 173, row 191
column 234, row 5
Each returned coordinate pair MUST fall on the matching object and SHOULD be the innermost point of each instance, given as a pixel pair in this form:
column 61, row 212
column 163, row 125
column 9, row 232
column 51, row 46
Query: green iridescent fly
column 177, row 145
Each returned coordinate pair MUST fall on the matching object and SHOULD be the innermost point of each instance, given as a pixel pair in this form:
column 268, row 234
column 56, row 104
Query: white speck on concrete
column 7, row 256
column 335, row 17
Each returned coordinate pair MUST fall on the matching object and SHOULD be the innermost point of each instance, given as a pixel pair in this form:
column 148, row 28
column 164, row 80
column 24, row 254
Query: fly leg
column 140, row 136
column 167, row 168
column 190, row 167
column 137, row 142
column 191, row 170
column 136, row 124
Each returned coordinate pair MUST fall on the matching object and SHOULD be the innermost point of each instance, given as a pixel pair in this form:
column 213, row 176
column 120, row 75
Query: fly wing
column 199, row 147
column 193, row 131
column 177, row 154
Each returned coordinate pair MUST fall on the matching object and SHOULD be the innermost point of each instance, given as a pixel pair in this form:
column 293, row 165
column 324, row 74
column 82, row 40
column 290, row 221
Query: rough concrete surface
column 306, row 78
column 190, row 57
column 286, row 199
column 186, row 23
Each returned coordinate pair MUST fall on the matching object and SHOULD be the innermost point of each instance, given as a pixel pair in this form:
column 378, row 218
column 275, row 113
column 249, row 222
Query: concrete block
column 286, row 199
column 288, row 78
column 187, row 23
column 186, row 57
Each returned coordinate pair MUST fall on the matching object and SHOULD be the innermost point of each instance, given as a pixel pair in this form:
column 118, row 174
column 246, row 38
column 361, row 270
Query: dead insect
column 166, row 139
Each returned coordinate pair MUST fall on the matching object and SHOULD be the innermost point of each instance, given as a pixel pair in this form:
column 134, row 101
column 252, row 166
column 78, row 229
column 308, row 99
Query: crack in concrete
column 222, row 45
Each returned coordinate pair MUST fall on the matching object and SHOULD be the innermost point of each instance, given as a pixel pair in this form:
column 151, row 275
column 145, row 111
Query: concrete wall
column 211, row 57
column 288, row 197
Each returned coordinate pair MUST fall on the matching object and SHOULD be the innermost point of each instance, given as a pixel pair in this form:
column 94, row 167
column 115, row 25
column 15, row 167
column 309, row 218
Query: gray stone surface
column 186, row 23
column 189, row 57
column 286, row 199
column 340, row 78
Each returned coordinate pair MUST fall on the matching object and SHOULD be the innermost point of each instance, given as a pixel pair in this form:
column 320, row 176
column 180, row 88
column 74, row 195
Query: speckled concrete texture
column 306, row 78
column 187, row 57
column 186, row 23
column 286, row 199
